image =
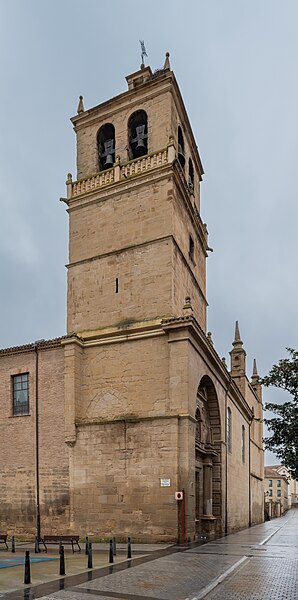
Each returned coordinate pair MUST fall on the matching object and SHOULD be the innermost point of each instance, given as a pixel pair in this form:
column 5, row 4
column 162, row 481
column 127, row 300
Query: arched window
column 106, row 146
column 229, row 430
column 198, row 426
column 181, row 156
column 138, row 134
column 243, row 444
column 191, row 181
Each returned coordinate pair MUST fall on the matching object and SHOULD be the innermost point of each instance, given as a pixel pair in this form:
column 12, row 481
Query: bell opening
column 181, row 157
column 106, row 146
column 138, row 134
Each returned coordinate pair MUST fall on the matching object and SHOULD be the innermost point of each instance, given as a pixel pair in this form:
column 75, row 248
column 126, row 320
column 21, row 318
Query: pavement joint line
column 269, row 536
column 109, row 594
column 219, row 579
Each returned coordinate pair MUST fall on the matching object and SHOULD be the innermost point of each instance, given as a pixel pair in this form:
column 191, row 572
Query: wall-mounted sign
column 165, row 483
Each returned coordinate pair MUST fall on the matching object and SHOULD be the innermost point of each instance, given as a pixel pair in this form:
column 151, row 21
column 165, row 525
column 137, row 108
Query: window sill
column 16, row 416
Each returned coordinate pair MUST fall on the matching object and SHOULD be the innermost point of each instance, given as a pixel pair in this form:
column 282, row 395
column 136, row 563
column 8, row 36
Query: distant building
column 293, row 484
column 276, row 489
column 101, row 427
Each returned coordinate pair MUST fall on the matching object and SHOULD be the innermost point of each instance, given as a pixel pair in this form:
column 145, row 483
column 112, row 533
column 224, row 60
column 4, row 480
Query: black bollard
column 128, row 548
column 90, row 563
column 36, row 548
column 27, row 576
column 111, row 555
column 86, row 546
column 62, row 561
column 13, row 546
column 114, row 546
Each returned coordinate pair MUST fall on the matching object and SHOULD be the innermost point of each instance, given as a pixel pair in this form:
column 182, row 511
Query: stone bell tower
column 137, row 252
column 137, row 245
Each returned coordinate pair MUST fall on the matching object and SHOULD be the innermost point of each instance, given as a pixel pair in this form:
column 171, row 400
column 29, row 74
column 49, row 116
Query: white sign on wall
column 165, row 483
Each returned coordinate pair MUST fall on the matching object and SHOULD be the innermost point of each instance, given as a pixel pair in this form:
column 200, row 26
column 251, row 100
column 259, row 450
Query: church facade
column 102, row 427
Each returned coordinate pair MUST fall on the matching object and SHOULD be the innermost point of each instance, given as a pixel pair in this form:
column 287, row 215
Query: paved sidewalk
column 259, row 563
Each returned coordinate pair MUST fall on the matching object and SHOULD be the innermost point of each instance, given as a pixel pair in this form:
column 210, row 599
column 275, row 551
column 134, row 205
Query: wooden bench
column 3, row 539
column 61, row 540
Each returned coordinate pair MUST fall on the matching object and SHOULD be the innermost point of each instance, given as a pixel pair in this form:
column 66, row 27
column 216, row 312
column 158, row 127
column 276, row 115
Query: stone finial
column 237, row 343
column 167, row 61
column 187, row 308
column 209, row 337
column 224, row 362
column 255, row 381
column 255, row 374
column 69, row 178
column 80, row 108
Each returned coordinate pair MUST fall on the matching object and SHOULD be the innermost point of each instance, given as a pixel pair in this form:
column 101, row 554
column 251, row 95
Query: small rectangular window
column 270, row 493
column 278, row 493
column 278, row 483
column 270, row 483
column 20, row 394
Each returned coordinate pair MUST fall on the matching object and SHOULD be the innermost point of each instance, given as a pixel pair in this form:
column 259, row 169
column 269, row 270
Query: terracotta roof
column 270, row 473
column 42, row 344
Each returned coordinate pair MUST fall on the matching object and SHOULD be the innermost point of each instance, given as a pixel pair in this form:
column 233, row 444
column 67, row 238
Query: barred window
column 229, row 430
column 243, row 444
column 20, row 394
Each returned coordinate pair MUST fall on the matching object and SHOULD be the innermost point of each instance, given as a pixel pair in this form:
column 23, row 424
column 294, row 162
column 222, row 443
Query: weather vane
column 143, row 51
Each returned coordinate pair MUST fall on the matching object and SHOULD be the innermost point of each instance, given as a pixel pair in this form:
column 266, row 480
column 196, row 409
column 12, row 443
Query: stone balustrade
column 119, row 172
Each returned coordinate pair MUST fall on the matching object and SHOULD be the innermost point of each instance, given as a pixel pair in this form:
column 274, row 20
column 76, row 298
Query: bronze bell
column 181, row 156
column 141, row 147
column 109, row 161
column 108, row 154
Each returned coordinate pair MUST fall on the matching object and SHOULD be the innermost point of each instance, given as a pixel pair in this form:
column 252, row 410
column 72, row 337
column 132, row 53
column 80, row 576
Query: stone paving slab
column 260, row 579
column 255, row 564
column 177, row 576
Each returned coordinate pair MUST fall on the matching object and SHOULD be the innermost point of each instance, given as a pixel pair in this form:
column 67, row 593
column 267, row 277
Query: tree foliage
column 284, row 426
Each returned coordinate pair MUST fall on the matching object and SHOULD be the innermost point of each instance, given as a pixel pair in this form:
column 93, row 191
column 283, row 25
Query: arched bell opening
column 181, row 156
column 106, row 146
column 138, row 134
column 191, row 180
column 208, row 459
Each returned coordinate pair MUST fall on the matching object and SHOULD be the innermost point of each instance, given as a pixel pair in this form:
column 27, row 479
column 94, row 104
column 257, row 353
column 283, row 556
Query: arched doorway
column 207, row 460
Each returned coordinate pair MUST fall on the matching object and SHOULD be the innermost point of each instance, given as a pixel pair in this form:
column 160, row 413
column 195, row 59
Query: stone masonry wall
column 18, row 448
column 116, row 477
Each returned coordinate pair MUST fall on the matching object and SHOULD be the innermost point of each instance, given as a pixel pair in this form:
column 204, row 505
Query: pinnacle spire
column 255, row 370
column 237, row 343
column 167, row 61
column 80, row 108
column 255, row 374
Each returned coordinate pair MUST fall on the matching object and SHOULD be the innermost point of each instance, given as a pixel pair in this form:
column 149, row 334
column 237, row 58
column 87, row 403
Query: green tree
column 284, row 426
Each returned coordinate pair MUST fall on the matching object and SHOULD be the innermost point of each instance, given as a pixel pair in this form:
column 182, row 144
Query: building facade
column 133, row 404
column 277, row 491
column 285, row 490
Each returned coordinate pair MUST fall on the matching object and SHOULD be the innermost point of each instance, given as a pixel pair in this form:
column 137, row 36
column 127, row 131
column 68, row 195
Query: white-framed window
column 20, row 394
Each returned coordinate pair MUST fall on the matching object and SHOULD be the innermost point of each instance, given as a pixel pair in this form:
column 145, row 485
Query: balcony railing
column 119, row 172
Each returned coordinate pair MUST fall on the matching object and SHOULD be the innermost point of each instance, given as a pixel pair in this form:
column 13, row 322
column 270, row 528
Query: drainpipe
column 38, row 535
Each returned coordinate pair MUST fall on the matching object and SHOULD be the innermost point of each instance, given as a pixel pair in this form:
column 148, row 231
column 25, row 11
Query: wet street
column 259, row 563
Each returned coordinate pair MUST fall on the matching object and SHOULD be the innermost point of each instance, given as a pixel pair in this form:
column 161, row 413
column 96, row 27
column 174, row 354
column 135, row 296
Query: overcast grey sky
column 236, row 64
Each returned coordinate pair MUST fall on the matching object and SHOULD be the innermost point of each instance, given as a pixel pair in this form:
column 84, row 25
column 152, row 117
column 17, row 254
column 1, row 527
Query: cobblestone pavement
column 259, row 563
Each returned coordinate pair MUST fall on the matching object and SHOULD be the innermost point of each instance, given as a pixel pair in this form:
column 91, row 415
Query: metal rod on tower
column 143, row 53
